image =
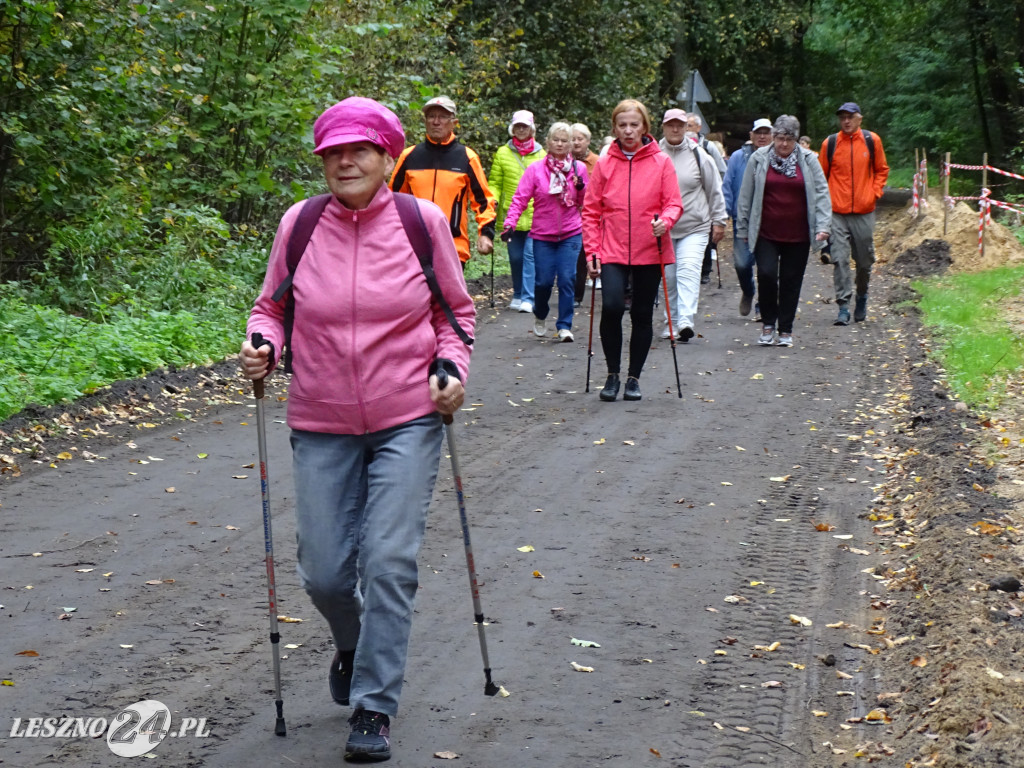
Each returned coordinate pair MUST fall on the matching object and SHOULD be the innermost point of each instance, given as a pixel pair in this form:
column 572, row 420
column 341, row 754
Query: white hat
column 762, row 122
column 522, row 117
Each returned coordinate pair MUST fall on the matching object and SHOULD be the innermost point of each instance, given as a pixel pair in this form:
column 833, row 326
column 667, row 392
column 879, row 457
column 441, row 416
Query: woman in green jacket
column 510, row 161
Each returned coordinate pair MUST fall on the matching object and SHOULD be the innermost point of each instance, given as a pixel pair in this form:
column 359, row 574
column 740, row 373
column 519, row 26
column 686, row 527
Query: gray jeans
column 361, row 510
column 853, row 235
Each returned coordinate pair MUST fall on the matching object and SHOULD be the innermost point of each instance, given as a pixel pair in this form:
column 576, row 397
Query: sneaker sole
column 367, row 757
column 686, row 334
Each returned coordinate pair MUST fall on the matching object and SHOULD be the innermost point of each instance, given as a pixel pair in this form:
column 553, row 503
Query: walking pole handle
column 442, row 384
column 257, row 384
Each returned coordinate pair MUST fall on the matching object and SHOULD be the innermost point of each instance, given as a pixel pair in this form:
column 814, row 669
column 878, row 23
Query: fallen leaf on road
column 919, row 661
column 642, row 558
column 585, row 643
column 770, row 648
column 64, row 455
column 802, row 620
column 27, row 653
column 580, row 667
column 230, row 528
column 877, row 716
column 599, row 442
column 250, row 465
column 742, row 728
column 735, row 599
column 37, row 554
column 628, row 442
column 538, row 575
column 65, row 616
column 202, row 455
column 725, row 483
column 795, row 665
column 84, row 570
column 293, row 646
column 288, row 619
column 739, row 448
column 514, row 404
column 823, row 526
column 771, row 684
column 720, row 652
column 819, row 713
column 446, row 755
column 239, row 477
column 757, row 377
column 127, row 646
column 655, row 752
column 7, row 682
column 780, row 479
column 503, row 693
column 169, row 490
column 843, row 676
column 987, row 528
column 525, row 548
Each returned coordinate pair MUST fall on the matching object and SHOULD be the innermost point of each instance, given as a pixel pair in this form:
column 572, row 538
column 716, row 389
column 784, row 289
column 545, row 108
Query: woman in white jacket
column 703, row 211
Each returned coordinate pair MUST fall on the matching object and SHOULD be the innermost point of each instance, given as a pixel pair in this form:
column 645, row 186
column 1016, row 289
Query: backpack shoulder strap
column 419, row 239
column 700, row 167
column 302, row 230
column 869, row 139
column 830, row 152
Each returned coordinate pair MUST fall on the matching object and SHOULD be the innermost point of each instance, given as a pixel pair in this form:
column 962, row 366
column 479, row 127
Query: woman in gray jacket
column 783, row 207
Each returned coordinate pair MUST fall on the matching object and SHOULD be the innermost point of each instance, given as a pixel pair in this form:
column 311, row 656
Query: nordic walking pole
column 718, row 265
column 490, row 689
column 668, row 314
column 492, row 277
column 275, row 636
column 590, row 339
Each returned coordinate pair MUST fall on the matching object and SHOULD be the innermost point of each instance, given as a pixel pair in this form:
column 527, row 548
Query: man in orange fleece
column 854, row 164
column 449, row 174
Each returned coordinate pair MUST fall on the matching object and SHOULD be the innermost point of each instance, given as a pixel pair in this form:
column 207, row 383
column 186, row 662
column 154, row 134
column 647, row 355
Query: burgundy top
column 784, row 208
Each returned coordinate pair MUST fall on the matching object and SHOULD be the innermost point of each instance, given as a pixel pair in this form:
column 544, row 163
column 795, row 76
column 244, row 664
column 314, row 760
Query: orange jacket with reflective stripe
column 449, row 175
column 853, row 184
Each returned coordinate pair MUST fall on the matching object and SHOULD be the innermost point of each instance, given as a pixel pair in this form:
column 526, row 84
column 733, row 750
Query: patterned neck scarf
column 563, row 178
column 523, row 147
column 784, row 165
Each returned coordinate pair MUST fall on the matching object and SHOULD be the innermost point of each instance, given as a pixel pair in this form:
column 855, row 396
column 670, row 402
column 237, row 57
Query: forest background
column 148, row 149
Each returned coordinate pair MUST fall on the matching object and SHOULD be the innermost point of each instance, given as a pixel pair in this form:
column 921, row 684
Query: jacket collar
column 648, row 146
column 444, row 143
column 381, row 200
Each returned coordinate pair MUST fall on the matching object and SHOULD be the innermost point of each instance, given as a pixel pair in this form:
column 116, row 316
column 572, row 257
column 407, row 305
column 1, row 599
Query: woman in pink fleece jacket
column 631, row 204
column 556, row 185
column 364, row 406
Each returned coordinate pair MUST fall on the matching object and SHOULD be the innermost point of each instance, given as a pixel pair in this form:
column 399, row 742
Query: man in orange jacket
column 449, row 174
column 854, row 164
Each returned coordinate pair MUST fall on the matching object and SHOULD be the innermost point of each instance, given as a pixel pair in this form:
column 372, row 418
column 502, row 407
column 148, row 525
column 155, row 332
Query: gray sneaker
column 844, row 316
column 767, row 337
column 785, row 340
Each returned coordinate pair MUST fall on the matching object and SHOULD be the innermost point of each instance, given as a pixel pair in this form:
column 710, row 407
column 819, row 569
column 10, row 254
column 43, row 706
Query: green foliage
column 976, row 346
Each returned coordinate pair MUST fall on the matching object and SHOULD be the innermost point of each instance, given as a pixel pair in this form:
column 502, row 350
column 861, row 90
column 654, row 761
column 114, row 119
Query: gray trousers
column 853, row 235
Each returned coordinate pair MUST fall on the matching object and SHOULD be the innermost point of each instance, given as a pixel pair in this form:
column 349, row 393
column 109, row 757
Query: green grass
column 975, row 344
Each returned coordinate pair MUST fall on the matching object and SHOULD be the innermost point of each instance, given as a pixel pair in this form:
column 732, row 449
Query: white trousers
column 684, row 279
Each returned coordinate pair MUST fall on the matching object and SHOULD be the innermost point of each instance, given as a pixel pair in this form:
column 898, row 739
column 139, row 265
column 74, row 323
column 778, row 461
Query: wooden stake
column 945, row 194
column 984, row 183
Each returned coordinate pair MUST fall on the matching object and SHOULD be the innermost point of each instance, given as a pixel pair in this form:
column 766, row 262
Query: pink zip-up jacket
column 622, row 198
column 552, row 220
column 366, row 329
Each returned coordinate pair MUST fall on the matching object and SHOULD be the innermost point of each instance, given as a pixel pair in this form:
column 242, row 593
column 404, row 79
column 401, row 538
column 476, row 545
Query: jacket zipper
column 853, row 197
column 352, row 324
column 629, row 212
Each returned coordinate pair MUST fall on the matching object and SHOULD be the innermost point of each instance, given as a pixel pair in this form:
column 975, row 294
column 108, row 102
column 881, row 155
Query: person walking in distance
column 742, row 258
column 783, row 207
column 556, row 187
column 703, row 212
column 366, row 342
column 448, row 174
column 854, row 164
column 510, row 162
column 632, row 202
column 581, row 151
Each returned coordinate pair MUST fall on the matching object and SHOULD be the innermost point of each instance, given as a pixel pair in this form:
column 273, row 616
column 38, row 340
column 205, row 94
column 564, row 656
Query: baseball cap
column 359, row 119
column 521, row 117
column 674, row 114
column 441, row 101
column 762, row 122
column 851, row 107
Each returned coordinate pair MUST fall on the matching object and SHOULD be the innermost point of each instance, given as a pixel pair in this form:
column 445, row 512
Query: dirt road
column 679, row 534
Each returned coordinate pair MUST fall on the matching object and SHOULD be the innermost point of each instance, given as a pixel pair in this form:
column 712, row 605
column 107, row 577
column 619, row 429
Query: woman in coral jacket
column 364, row 405
column 632, row 202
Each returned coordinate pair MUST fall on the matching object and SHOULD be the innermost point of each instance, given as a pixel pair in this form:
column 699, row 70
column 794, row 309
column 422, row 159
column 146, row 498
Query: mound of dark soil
column 931, row 257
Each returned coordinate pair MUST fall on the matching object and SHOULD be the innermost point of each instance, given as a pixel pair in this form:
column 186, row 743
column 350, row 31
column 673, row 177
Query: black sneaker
column 632, row 389
column 611, row 388
column 685, row 334
column 340, row 676
column 860, row 310
column 369, row 740
column 705, row 279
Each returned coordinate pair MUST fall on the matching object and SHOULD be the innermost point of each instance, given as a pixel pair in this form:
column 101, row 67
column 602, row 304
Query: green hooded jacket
column 506, row 170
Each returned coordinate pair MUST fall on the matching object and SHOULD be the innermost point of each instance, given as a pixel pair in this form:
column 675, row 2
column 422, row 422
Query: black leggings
column 644, row 282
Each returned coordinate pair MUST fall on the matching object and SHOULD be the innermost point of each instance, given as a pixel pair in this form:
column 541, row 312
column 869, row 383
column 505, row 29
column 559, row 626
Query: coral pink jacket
column 622, row 198
column 366, row 329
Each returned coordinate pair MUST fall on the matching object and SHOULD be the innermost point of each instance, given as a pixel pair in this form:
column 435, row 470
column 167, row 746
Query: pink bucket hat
column 359, row 119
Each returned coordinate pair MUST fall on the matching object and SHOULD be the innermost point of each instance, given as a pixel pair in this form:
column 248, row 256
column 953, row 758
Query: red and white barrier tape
column 947, row 166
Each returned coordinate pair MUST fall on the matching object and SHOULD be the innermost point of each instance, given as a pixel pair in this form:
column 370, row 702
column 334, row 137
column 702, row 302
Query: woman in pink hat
column 364, row 407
